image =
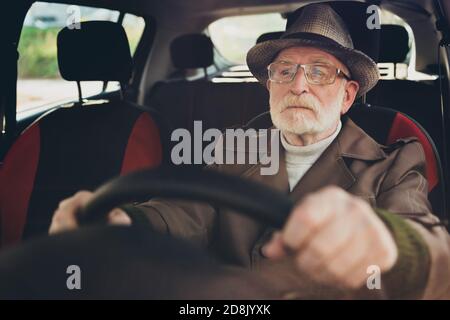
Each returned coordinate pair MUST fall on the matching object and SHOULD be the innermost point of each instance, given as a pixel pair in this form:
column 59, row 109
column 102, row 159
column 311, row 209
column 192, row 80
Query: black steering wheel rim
column 243, row 195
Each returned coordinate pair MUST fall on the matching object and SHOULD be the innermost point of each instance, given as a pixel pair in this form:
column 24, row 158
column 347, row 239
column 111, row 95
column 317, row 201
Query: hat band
column 313, row 37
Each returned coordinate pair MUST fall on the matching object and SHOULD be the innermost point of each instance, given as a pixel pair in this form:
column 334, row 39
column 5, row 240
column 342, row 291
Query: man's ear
column 268, row 82
column 351, row 89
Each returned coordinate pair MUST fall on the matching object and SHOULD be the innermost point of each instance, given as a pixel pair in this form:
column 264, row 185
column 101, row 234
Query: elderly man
column 360, row 205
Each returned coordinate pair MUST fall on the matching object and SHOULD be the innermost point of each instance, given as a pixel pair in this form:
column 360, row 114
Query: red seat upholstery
column 387, row 126
column 67, row 151
column 81, row 147
column 402, row 127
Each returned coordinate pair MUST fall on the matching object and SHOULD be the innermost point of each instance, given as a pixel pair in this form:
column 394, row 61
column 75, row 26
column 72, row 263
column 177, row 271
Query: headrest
column 192, row 51
column 355, row 17
column 98, row 51
column 394, row 43
column 269, row 36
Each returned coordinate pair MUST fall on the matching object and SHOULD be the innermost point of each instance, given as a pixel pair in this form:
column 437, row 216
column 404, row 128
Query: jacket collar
column 357, row 144
column 332, row 167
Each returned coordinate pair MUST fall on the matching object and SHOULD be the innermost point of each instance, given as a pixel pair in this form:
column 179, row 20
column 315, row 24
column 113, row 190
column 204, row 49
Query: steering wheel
column 133, row 263
column 149, row 265
column 247, row 197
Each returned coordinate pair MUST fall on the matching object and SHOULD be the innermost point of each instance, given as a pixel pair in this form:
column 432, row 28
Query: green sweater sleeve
column 408, row 278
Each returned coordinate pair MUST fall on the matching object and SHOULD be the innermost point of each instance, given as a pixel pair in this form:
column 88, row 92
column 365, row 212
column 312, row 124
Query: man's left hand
column 334, row 237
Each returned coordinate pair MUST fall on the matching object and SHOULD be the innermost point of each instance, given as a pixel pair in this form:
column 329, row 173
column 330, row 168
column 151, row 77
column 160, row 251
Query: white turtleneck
column 300, row 158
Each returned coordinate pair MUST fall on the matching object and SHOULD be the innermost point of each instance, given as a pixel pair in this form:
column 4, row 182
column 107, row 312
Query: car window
column 234, row 36
column 406, row 70
column 39, row 84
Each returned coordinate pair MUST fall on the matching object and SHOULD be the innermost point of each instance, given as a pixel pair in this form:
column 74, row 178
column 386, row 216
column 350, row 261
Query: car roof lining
column 226, row 7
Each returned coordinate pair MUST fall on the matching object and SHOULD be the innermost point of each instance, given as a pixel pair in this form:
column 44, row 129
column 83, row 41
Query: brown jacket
column 391, row 178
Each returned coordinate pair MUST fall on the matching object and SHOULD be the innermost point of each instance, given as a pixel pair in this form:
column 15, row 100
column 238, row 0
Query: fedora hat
column 319, row 26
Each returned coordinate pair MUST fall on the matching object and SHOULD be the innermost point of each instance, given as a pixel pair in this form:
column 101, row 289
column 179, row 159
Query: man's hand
column 335, row 237
column 64, row 218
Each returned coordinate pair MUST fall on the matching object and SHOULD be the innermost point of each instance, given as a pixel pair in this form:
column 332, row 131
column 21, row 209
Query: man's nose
column 299, row 84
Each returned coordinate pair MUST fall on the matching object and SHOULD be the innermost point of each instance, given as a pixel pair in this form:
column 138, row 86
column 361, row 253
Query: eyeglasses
column 315, row 73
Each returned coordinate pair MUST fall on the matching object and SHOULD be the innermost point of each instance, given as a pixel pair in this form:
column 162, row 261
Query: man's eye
column 285, row 72
column 317, row 71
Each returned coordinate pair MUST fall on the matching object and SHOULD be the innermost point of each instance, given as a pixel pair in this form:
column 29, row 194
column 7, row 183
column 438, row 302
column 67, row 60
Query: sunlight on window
column 40, row 84
column 234, row 36
column 405, row 70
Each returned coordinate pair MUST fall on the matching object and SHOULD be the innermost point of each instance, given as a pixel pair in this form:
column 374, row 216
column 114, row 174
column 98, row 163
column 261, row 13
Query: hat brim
column 362, row 68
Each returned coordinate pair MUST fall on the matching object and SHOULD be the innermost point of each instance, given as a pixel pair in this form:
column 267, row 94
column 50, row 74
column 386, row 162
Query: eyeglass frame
column 339, row 72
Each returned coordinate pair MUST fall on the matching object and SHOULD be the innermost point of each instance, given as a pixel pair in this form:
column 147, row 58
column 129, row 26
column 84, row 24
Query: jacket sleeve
column 190, row 220
column 423, row 267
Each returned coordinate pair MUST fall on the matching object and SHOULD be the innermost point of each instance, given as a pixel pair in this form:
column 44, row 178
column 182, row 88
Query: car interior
column 177, row 75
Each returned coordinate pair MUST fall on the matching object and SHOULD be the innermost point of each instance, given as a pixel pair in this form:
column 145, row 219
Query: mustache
column 304, row 100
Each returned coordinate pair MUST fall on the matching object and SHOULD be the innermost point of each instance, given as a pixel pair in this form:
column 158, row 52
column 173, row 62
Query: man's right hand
column 64, row 218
